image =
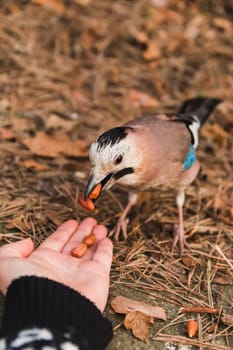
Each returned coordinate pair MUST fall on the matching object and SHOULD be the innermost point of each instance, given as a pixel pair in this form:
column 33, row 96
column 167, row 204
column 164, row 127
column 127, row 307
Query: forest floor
column 69, row 70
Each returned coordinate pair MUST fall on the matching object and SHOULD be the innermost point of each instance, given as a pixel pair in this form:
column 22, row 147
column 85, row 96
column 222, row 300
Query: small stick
column 199, row 309
column 219, row 250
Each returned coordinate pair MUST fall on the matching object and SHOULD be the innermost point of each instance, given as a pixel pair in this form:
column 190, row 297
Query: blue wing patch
column 190, row 159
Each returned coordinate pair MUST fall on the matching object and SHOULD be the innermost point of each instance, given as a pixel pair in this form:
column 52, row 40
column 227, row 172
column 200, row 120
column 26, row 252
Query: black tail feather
column 200, row 107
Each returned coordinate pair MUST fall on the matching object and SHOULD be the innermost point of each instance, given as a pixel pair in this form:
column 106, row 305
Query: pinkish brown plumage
column 151, row 152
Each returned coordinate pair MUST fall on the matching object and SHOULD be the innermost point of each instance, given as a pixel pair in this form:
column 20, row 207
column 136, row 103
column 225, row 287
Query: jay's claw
column 179, row 239
column 122, row 223
column 121, row 227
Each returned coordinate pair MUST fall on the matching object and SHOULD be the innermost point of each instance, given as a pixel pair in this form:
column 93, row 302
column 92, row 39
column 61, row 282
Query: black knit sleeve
column 40, row 312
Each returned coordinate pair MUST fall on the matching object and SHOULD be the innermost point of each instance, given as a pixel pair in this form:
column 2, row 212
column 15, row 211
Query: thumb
column 20, row 249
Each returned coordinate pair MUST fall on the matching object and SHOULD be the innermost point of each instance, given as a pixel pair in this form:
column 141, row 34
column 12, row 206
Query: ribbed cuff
column 40, row 302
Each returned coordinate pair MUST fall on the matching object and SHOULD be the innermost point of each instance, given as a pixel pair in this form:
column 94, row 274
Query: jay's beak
column 89, row 187
column 92, row 185
column 109, row 179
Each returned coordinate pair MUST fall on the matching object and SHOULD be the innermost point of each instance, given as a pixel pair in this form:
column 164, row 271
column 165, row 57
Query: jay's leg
column 121, row 226
column 179, row 229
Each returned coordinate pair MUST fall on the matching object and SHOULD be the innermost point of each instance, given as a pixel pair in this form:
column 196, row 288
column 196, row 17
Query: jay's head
column 114, row 157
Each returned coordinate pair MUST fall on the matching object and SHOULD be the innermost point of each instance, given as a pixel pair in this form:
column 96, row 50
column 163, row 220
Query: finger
column 100, row 232
column 85, row 228
column 57, row 240
column 104, row 252
column 20, row 249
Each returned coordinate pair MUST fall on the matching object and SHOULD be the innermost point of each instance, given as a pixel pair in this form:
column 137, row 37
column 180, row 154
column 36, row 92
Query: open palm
column 88, row 275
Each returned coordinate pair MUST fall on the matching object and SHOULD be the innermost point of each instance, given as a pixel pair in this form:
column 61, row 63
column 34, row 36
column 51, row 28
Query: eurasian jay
column 150, row 152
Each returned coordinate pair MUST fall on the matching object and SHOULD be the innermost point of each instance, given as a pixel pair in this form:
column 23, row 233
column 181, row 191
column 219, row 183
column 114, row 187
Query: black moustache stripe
column 123, row 172
column 106, row 179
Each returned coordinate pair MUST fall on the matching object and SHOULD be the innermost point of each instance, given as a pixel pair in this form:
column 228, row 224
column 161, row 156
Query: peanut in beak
column 88, row 203
column 96, row 191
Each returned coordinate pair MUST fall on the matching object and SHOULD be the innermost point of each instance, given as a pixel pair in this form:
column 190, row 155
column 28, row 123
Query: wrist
column 43, row 303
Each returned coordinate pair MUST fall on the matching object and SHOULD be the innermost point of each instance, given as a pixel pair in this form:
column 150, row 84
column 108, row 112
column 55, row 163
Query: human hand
column 88, row 275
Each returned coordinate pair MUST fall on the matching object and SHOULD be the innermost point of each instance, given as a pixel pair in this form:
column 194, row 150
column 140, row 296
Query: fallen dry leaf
column 222, row 23
column 81, row 99
column 177, row 270
column 33, row 164
column 6, row 134
column 159, row 3
column 227, row 319
column 139, row 323
column 23, row 124
column 54, row 122
column 223, row 280
column 54, row 5
column 218, row 202
column 139, row 35
column 55, row 145
column 152, row 52
column 188, row 261
column 123, row 305
column 142, row 99
column 199, row 310
column 88, row 41
column 211, row 328
column 83, row 2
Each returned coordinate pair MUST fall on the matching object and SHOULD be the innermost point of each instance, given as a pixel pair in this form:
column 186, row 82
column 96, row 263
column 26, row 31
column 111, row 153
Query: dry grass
column 72, row 72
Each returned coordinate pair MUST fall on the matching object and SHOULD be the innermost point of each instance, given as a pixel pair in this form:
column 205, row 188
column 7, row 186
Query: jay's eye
column 118, row 159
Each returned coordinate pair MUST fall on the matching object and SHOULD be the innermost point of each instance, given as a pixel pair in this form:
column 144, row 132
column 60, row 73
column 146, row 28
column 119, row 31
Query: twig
column 216, row 327
column 221, row 333
column 199, row 309
column 199, row 322
column 219, row 250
